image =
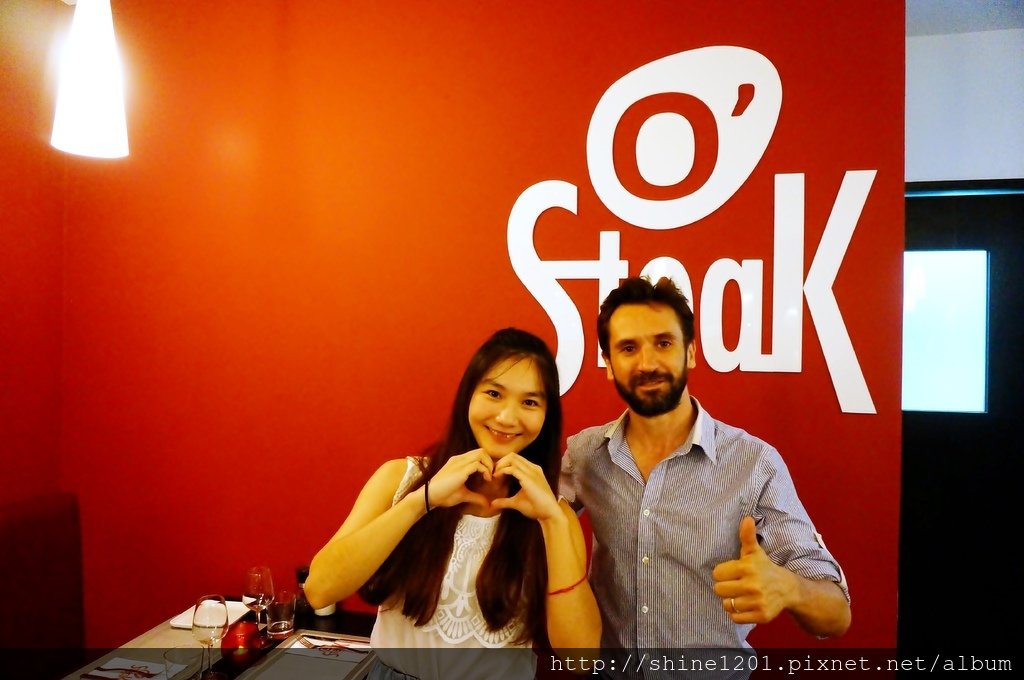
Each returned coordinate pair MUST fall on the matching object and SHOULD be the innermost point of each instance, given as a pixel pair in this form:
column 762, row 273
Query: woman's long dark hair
column 512, row 580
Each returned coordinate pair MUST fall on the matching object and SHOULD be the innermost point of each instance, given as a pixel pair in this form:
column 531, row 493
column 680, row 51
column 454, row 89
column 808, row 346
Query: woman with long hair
column 467, row 547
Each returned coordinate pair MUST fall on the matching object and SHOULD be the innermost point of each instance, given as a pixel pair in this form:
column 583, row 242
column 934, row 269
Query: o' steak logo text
column 733, row 95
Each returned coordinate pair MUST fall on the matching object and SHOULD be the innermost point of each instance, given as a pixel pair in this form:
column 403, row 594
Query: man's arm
column 754, row 589
column 821, row 607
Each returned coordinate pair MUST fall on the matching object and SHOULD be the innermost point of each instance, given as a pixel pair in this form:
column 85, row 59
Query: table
column 150, row 645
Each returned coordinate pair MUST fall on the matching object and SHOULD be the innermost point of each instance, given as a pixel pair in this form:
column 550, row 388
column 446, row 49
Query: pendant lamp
column 90, row 117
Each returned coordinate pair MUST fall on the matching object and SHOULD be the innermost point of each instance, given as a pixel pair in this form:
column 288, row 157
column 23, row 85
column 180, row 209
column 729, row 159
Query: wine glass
column 258, row 592
column 209, row 624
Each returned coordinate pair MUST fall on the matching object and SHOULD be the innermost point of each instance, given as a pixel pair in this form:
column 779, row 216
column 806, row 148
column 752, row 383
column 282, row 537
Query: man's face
column 648, row 359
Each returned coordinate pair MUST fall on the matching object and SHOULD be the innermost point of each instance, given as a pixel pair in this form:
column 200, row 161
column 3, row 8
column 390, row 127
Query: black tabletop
column 349, row 622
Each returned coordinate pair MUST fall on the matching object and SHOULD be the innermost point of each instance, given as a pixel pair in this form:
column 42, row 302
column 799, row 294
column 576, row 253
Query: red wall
column 30, row 255
column 278, row 289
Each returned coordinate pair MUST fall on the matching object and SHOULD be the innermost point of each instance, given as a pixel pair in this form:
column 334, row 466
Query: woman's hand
column 534, row 498
column 448, row 487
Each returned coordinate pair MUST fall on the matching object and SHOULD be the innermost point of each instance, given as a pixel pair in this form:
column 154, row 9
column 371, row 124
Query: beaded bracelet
column 568, row 588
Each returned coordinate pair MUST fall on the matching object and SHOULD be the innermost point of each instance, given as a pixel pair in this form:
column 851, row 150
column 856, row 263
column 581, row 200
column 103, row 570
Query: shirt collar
column 702, row 433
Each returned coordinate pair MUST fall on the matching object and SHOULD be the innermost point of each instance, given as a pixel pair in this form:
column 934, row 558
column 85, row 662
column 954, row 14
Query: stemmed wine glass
column 209, row 624
column 258, row 593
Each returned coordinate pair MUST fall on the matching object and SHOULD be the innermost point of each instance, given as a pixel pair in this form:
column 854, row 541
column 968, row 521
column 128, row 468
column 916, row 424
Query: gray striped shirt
column 656, row 542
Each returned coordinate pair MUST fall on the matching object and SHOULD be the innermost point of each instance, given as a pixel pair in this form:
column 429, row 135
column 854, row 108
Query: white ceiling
column 930, row 17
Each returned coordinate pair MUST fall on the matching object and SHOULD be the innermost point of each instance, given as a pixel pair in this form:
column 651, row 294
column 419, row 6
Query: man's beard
column 653, row 403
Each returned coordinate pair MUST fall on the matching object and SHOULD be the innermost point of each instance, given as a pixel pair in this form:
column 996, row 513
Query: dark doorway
column 960, row 523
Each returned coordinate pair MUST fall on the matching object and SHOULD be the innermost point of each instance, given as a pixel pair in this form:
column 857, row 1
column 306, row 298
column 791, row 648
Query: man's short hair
column 639, row 290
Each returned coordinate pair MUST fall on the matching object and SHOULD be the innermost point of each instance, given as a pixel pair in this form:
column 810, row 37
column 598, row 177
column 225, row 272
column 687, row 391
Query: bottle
column 302, row 604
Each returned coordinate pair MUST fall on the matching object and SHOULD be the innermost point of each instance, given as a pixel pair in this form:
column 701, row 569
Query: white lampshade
column 90, row 119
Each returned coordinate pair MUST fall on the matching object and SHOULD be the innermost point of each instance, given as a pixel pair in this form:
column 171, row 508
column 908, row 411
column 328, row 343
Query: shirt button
column 646, row 559
column 647, row 511
column 644, row 609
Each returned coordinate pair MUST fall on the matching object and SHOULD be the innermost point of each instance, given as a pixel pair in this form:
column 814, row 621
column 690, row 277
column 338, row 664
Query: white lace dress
column 444, row 646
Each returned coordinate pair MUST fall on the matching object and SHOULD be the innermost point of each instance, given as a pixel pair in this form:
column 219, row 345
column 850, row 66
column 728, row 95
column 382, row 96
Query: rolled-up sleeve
column 787, row 534
column 567, row 480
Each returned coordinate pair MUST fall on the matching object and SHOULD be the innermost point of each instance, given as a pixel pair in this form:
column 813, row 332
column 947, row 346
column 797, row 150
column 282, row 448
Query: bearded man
column 698, row 531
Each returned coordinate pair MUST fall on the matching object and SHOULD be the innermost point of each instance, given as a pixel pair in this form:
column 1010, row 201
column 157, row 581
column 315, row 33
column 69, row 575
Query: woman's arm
column 375, row 527
column 366, row 538
column 574, row 621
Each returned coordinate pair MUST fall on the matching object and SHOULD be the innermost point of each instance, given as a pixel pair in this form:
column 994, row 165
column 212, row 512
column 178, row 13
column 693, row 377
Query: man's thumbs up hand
column 753, row 589
column 748, row 537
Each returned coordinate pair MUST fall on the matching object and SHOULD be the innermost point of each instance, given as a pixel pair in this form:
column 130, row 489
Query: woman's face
column 506, row 412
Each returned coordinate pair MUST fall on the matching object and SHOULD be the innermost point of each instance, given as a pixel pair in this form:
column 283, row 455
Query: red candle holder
column 242, row 643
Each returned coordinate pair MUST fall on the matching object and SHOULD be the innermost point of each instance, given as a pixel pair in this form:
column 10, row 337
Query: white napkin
column 236, row 610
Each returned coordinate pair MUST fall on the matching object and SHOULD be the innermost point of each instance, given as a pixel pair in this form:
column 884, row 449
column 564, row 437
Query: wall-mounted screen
column 945, row 330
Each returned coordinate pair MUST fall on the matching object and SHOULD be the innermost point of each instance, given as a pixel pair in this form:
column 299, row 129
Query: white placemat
column 120, row 668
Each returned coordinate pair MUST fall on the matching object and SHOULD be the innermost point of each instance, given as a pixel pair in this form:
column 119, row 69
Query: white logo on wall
column 735, row 94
